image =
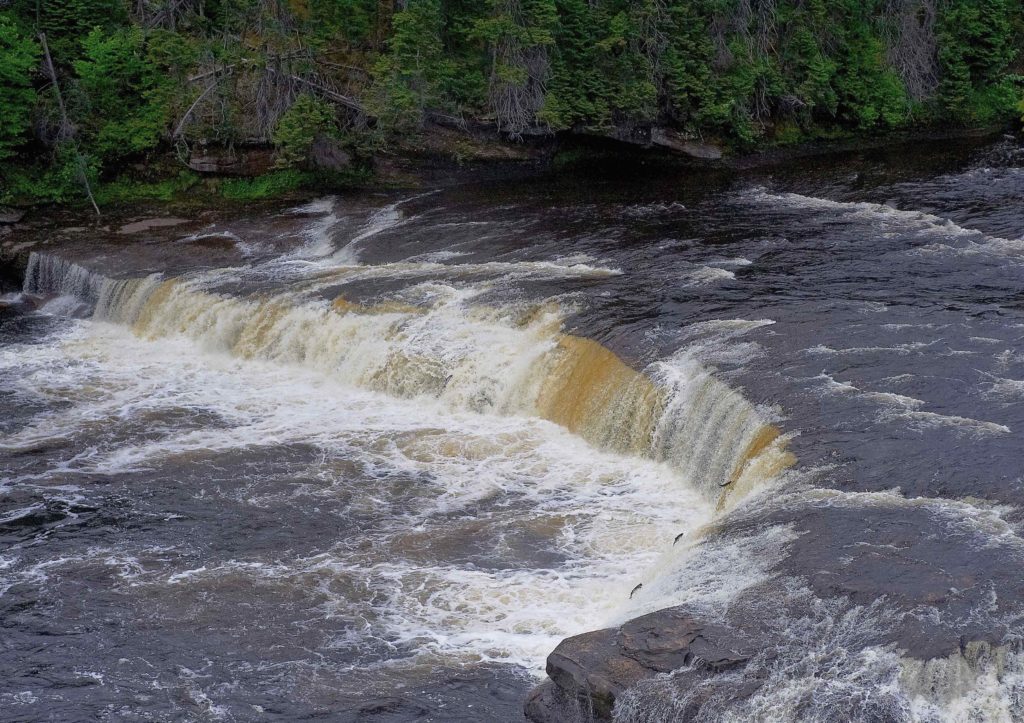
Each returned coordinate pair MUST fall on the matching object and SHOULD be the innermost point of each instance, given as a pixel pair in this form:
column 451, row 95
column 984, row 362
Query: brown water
column 373, row 458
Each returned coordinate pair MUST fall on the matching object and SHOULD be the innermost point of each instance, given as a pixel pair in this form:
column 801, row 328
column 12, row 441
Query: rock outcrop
column 328, row 154
column 589, row 672
column 231, row 161
column 659, row 137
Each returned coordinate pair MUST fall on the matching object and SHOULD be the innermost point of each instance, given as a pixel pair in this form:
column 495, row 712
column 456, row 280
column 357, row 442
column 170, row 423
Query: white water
column 499, row 414
column 891, row 220
column 821, row 666
column 604, row 512
column 430, row 384
column 433, row 341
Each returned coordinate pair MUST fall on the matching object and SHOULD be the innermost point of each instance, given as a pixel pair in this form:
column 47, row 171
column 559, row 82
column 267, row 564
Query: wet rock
column 916, row 557
column 589, row 672
column 150, row 223
column 392, row 709
column 10, row 216
column 638, row 135
column 13, row 260
column 231, row 161
column 14, row 304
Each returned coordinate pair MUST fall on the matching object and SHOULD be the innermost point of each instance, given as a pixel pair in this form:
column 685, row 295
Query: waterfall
column 48, row 275
column 486, row 360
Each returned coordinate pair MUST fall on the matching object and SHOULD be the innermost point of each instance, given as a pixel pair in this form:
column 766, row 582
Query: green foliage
column 127, row 190
column 245, row 72
column 19, row 56
column 869, row 94
column 67, row 22
column 62, row 19
column 271, row 185
column 308, row 118
column 979, row 40
column 602, row 70
column 354, row 20
column 54, row 179
column 519, row 36
column 412, row 76
column 124, row 95
column 691, row 90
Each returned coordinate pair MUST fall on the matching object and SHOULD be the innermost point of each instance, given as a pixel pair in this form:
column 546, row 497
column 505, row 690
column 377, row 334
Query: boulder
column 327, row 153
column 589, row 672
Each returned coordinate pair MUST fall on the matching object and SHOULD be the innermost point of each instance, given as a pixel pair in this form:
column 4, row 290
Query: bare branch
column 181, row 123
column 66, row 124
column 912, row 45
column 323, row 90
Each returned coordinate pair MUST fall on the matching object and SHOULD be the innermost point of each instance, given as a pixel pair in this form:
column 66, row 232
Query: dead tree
column 519, row 72
column 912, row 45
column 264, row 88
column 66, row 132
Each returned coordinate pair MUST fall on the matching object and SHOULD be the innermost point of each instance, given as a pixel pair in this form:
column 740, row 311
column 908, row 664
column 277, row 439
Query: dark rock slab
column 589, row 672
column 147, row 224
column 10, row 215
column 327, row 153
column 658, row 137
column 667, row 138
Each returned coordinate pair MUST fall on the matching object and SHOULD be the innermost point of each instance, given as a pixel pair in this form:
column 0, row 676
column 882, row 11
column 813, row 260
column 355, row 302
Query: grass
column 28, row 186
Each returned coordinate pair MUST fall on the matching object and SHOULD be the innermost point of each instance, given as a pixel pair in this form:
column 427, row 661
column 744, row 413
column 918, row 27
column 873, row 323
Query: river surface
column 372, row 458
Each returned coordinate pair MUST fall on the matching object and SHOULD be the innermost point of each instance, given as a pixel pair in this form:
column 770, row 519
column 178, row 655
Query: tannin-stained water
column 374, row 457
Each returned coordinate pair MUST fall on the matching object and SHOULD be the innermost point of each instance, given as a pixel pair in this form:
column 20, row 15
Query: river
column 373, row 457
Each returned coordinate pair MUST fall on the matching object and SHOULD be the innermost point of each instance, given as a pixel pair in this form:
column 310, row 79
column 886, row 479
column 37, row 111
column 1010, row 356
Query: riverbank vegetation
column 153, row 97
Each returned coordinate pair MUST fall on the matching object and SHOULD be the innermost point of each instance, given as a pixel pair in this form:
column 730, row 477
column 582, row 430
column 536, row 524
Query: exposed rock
column 590, row 672
column 150, row 223
column 637, row 135
column 15, row 306
column 392, row 709
column 914, row 557
column 659, row 137
column 666, row 138
column 231, row 161
column 470, row 145
column 10, row 216
column 327, row 153
column 13, row 260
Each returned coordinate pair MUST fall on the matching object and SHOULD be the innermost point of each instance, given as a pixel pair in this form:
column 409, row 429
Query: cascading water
column 376, row 459
column 435, row 343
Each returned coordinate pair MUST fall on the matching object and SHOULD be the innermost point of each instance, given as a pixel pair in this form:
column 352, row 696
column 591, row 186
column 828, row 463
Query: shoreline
column 447, row 160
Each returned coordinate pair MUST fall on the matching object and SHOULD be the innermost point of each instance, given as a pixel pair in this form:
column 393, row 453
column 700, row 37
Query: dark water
column 223, row 500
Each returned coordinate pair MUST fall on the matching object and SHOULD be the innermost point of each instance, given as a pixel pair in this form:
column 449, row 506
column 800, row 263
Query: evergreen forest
column 118, row 95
